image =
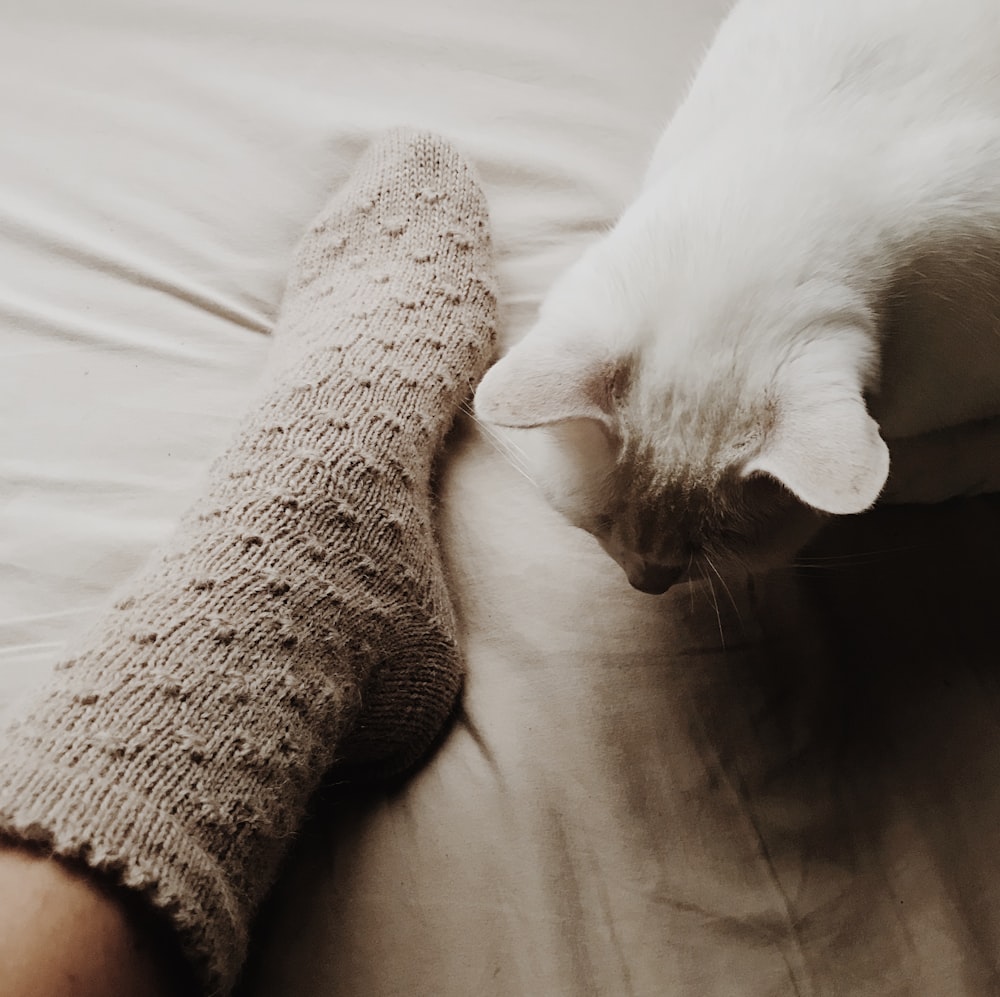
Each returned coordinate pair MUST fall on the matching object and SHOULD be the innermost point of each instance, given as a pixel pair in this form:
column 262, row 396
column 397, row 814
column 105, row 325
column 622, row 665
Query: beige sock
column 299, row 617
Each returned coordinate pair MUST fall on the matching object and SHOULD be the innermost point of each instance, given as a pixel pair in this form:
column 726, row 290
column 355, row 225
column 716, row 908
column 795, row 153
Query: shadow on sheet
column 812, row 810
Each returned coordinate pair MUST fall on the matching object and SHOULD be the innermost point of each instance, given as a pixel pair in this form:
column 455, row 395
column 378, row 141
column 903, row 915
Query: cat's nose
column 651, row 578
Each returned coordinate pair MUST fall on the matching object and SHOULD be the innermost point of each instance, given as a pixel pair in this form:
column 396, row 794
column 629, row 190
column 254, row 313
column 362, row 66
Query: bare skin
column 62, row 934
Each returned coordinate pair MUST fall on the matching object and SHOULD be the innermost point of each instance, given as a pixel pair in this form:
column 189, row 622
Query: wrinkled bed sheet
column 791, row 789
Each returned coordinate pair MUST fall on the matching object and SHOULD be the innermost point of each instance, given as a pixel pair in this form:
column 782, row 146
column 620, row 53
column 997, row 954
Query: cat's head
column 691, row 430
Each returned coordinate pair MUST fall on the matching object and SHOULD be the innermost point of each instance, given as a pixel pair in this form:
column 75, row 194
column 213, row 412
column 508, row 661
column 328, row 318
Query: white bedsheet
column 625, row 806
column 159, row 160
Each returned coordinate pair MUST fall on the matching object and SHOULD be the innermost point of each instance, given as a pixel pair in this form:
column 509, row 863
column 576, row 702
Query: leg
column 299, row 618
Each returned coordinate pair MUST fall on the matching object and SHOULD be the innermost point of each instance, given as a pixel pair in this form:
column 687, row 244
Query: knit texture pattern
column 299, row 619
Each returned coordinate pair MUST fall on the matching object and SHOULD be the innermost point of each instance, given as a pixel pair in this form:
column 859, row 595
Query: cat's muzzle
column 651, row 578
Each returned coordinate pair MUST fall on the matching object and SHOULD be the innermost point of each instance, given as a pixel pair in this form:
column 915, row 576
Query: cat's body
column 814, row 257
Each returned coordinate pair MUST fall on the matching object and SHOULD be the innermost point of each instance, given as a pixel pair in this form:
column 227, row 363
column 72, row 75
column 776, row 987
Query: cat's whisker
column 842, row 556
column 715, row 603
column 513, row 448
column 744, row 564
column 841, row 561
column 854, row 556
column 687, row 572
column 805, row 569
column 725, row 585
column 504, row 446
column 508, row 450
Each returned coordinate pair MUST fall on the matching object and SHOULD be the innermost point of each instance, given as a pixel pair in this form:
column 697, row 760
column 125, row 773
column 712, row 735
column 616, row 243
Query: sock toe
column 394, row 278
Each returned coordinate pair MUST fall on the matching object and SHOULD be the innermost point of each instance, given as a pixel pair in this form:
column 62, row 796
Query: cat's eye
column 603, row 525
column 736, row 540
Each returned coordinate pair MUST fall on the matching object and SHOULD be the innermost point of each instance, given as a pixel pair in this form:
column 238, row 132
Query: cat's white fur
column 811, row 269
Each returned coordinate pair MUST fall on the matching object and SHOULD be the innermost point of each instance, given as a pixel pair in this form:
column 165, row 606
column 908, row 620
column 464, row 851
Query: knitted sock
column 299, row 617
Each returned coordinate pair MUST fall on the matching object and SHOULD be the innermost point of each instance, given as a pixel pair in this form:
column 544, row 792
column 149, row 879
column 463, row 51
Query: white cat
column 811, row 269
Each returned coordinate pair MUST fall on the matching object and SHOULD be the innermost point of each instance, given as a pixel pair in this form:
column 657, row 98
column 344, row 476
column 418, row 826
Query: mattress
column 789, row 788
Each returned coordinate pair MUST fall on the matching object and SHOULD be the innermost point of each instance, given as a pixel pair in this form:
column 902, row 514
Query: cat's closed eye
column 602, row 525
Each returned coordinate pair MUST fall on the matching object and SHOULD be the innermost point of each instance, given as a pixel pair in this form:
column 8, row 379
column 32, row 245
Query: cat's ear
column 538, row 384
column 827, row 451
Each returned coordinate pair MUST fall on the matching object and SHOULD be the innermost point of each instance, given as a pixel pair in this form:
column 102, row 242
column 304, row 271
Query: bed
column 784, row 790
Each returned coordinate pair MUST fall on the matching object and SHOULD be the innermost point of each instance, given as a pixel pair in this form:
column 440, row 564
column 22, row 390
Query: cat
column 809, row 273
